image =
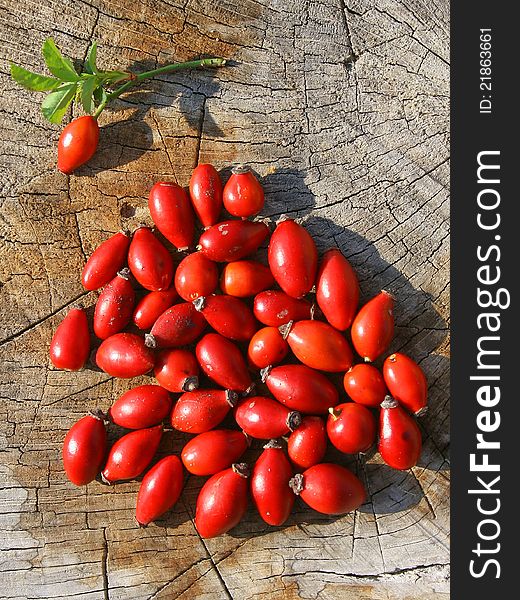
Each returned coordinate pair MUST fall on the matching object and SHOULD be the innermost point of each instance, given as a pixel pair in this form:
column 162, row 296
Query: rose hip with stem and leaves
column 93, row 88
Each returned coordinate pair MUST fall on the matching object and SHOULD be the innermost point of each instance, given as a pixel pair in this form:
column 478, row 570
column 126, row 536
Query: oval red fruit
column 337, row 290
column 270, row 489
column 206, row 194
column 196, row 276
column 131, row 454
column 244, row 278
column 228, row 316
column 232, row 240
column 365, row 385
column 330, row 489
column 406, row 382
column 301, row 388
column 179, row 325
column 201, row 410
column 149, row 261
column 70, row 344
column 307, row 444
column 114, row 306
column 177, row 370
column 319, row 346
column 124, row 355
column 373, row 327
column 222, row 501
column 78, row 143
column 351, row 428
column 243, row 194
column 223, row 362
column 293, row 258
column 152, row 306
column 141, row 407
column 267, row 347
column 160, row 489
column 172, row 213
column 106, row 260
column 265, row 418
column 84, row 450
column 400, row 439
column 275, row 308
column 213, row 451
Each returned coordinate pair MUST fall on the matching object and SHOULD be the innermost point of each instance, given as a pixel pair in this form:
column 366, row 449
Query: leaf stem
column 136, row 79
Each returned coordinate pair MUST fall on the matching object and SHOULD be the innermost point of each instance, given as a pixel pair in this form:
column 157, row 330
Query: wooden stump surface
column 342, row 108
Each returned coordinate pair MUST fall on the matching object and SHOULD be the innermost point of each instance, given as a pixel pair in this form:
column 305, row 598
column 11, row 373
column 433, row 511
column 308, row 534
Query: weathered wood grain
column 343, row 108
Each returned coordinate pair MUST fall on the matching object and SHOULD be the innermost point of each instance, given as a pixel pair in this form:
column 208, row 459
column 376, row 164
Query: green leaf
column 87, row 90
column 33, row 81
column 90, row 64
column 112, row 77
column 99, row 95
column 57, row 64
column 56, row 103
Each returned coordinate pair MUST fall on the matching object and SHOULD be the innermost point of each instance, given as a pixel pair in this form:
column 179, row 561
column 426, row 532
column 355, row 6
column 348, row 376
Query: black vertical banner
column 485, row 328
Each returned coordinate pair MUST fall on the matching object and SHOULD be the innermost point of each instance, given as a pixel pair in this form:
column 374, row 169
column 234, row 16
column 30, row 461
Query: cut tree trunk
column 342, row 108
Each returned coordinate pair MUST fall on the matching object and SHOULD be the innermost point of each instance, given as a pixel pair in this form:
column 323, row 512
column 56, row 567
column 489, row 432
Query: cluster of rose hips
column 253, row 325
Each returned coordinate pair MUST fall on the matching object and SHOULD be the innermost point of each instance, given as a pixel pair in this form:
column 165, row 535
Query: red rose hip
column 206, row 194
column 201, row 410
column 179, row 325
column 151, row 307
column 172, row 213
column 264, row 418
column 400, row 440
column 307, row 444
column 365, row 385
column 70, row 344
column 373, row 327
column 267, row 347
column 275, row 308
column 84, row 450
column 406, row 382
column 243, row 194
column 329, row 488
column 223, row 362
column 213, row 451
column 78, row 143
column 293, row 258
column 196, row 276
column 114, row 306
column 232, row 240
column 160, row 489
column 222, row 501
column 141, row 407
column 228, row 316
column 149, row 261
column 124, row 355
column 351, row 428
column 177, row 370
column 244, row 278
column 106, row 260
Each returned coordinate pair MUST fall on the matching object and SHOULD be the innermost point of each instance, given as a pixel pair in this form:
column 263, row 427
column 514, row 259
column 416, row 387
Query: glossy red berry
column 400, row 439
column 319, row 346
column 267, row 347
column 196, row 276
column 177, row 370
column 265, row 418
column 179, row 325
column 293, row 258
column 172, row 213
column 222, row 501
column 337, row 290
column 201, row 410
column 232, row 240
column 114, row 306
column 206, row 194
column 351, row 428
column 270, row 489
column 275, row 308
column 141, row 407
column 106, row 260
column 124, row 355
column 70, row 344
column 213, row 451
column 243, row 194
column 244, row 278
column 160, row 489
column 307, row 444
column 329, row 488
column 406, row 382
column 131, row 454
column 223, row 362
column 373, row 327
column 301, row 388
column 78, row 143
column 151, row 307
column 84, row 450
column 365, row 385
column 149, row 261
column 228, row 316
